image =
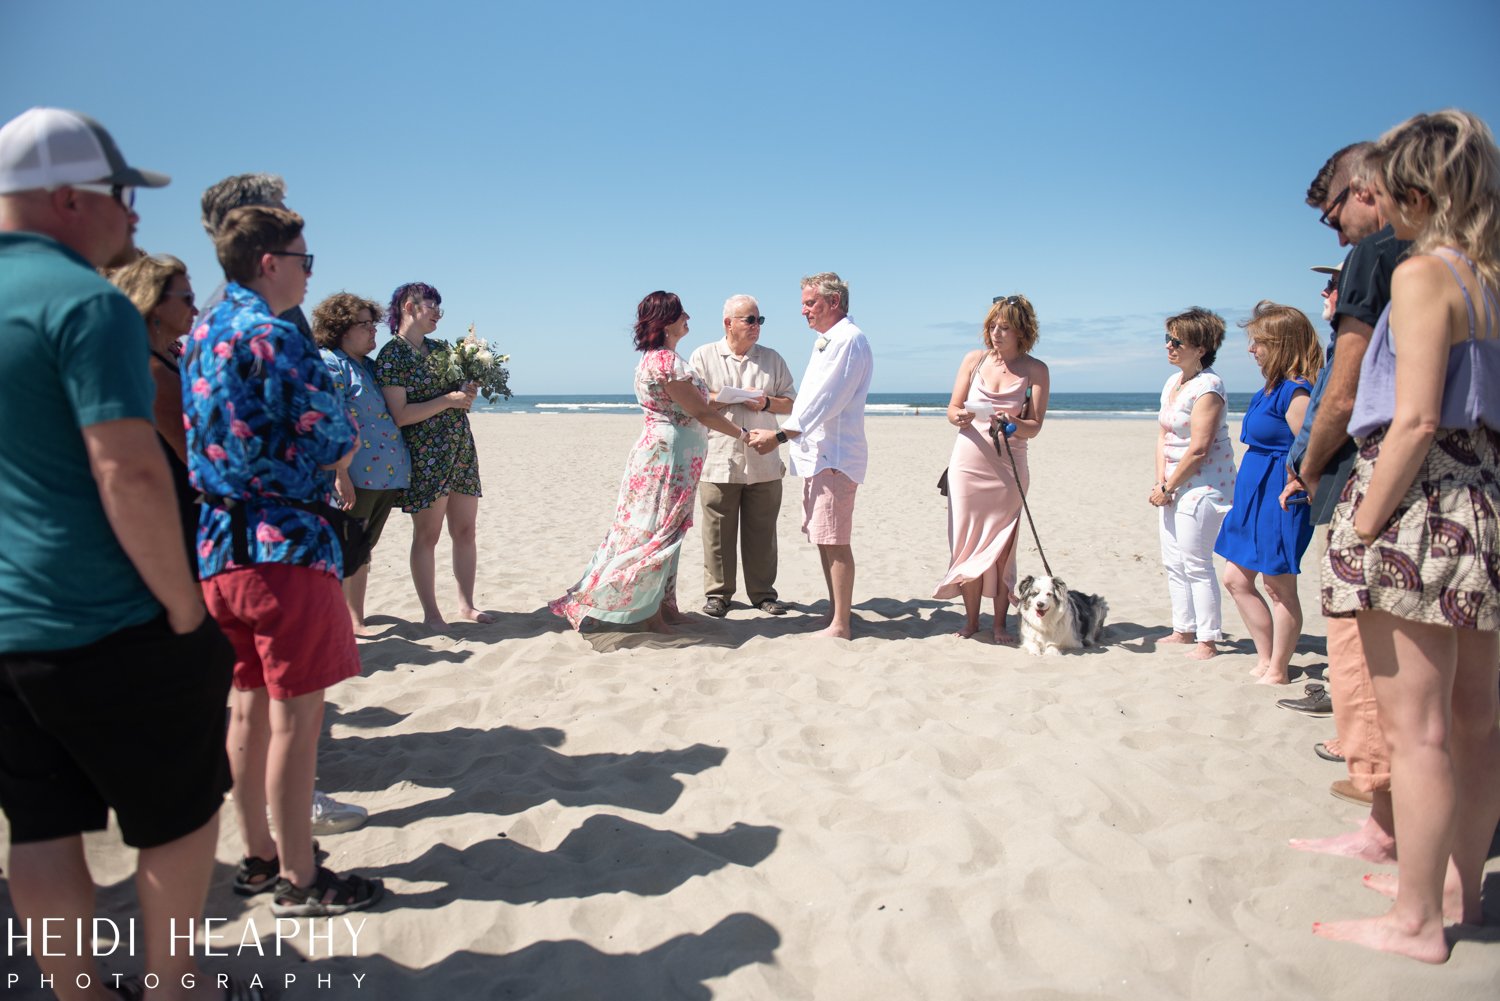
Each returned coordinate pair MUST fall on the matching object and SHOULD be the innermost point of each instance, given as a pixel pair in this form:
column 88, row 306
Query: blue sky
column 546, row 165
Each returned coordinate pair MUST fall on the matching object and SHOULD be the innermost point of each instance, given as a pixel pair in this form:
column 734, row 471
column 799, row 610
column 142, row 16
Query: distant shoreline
column 1088, row 406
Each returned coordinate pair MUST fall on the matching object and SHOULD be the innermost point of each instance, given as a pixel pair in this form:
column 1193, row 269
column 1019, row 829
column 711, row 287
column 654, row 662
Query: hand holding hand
column 762, row 441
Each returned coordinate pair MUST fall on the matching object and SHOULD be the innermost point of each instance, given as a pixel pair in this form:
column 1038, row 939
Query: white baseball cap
column 46, row 147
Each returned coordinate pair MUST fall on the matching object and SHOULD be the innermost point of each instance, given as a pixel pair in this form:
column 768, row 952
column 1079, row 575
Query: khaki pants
column 745, row 513
column 1354, row 715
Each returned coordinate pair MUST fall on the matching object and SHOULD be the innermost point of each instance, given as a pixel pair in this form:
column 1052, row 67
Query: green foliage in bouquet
column 473, row 360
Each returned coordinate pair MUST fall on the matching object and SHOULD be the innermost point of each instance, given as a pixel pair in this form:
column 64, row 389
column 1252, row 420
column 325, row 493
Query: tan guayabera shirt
column 729, row 460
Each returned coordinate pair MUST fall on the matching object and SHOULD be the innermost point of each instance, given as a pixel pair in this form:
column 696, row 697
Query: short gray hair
column 238, row 191
column 829, row 286
column 736, row 300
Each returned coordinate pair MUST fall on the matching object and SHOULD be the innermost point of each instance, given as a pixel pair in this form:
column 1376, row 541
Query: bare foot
column 657, row 624
column 1385, row 884
column 1004, row 638
column 435, row 622
column 1176, row 637
column 1203, row 651
column 1333, row 746
column 1273, row 678
column 1423, row 941
column 1261, row 667
column 836, row 632
column 967, row 631
column 1369, row 843
column 364, row 629
column 475, row 615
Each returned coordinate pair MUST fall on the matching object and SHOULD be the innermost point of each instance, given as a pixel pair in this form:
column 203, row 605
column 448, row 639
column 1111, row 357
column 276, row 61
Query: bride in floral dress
column 633, row 575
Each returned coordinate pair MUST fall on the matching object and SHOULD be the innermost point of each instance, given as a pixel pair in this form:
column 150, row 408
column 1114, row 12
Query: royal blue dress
column 1257, row 534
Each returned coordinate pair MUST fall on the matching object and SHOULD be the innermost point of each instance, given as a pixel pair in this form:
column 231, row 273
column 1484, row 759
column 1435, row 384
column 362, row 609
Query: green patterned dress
column 443, row 458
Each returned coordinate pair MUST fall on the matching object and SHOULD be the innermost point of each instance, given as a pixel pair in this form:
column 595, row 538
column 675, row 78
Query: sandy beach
column 746, row 812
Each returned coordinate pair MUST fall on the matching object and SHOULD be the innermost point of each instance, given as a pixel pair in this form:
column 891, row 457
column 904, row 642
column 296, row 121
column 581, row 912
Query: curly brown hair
column 333, row 317
column 1017, row 311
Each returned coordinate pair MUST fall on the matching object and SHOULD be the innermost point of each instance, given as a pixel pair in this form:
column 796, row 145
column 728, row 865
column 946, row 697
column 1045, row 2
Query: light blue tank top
column 1471, row 388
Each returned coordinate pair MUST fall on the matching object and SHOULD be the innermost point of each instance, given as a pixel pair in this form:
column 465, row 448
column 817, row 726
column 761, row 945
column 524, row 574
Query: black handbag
column 354, row 541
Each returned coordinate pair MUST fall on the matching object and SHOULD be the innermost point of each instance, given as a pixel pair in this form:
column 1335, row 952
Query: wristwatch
column 781, row 437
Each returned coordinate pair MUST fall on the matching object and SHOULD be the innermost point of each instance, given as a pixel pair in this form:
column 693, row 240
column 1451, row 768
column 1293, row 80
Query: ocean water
column 1080, row 405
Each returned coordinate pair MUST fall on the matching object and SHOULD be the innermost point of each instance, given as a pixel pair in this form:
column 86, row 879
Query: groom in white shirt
column 827, row 434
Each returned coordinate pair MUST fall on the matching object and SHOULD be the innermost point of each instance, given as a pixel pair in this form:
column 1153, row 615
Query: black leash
column 997, row 435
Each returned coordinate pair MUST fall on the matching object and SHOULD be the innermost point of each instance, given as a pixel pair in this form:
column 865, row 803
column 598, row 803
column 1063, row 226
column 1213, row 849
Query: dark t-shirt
column 1364, row 290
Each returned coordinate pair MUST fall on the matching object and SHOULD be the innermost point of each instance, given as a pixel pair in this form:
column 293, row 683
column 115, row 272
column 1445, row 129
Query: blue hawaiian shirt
column 262, row 418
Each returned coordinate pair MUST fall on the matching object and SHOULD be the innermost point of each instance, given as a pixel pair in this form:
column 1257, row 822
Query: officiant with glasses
column 740, row 492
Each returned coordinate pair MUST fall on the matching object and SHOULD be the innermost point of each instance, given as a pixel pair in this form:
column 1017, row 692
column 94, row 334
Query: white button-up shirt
column 830, row 413
column 729, row 459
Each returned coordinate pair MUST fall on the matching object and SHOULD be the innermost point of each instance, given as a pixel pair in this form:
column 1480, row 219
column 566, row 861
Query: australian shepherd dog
column 1054, row 619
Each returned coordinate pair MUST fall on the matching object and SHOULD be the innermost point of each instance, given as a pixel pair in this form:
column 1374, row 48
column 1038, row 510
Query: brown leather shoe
column 1344, row 789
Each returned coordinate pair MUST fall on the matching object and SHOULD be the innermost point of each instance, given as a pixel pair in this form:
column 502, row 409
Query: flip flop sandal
column 329, row 895
column 256, row 875
column 1322, row 751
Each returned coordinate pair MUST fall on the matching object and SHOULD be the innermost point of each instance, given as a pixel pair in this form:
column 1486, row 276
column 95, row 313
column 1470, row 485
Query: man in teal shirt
column 112, row 678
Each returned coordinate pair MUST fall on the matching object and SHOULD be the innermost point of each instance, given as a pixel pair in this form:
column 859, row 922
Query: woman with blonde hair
column 1001, row 383
column 1414, row 547
column 1258, row 537
column 159, row 287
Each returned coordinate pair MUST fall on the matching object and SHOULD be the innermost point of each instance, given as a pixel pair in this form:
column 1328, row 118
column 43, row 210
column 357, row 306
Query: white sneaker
column 329, row 816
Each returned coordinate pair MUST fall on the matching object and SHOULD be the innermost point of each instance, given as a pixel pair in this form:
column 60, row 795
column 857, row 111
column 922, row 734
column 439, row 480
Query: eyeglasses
column 307, row 259
column 1009, row 300
column 373, row 325
column 754, row 321
column 436, row 309
column 1173, row 342
column 1333, row 209
column 122, row 193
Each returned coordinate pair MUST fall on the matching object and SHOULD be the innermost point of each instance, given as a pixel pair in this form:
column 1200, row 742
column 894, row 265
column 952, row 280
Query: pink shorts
column 289, row 626
column 828, row 508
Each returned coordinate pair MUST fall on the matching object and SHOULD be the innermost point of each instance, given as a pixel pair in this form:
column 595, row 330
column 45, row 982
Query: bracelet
column 744, row 433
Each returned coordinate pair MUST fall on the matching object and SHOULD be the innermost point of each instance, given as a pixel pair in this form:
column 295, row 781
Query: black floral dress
column 443, row 458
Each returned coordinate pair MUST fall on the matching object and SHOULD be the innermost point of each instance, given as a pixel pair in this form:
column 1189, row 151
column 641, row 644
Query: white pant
column 1188, row 532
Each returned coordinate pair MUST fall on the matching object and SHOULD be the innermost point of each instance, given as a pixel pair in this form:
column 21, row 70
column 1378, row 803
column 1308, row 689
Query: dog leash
column 1001, row 433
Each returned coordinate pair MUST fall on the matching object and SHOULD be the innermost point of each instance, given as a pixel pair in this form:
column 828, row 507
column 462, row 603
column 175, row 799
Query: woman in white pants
column 1194, row 478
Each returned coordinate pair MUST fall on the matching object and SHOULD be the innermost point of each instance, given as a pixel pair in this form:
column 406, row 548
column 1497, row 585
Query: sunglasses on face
column 1173, row 342
column 307, row 259
column 754, row 321
column 122, row 193
column 1333, row 209
column 1331, row 287
column 186, row 297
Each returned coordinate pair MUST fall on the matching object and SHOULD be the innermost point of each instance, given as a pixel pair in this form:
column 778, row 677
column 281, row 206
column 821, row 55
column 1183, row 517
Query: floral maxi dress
column 443, row 458
column 635, row 568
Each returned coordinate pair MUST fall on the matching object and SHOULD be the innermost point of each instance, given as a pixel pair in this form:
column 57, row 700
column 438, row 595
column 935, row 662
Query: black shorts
column 134, row 722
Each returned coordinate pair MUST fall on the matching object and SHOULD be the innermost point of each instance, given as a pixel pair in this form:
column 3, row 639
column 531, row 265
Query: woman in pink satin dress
column 1002, row 382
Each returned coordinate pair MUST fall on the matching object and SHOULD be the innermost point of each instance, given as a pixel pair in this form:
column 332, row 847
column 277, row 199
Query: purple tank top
column 1471, row 387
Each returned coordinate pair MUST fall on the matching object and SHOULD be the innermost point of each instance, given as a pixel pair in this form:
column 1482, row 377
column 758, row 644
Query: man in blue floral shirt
column 266, row 433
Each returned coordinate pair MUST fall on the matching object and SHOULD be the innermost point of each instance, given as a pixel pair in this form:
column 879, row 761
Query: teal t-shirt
column 73, row 353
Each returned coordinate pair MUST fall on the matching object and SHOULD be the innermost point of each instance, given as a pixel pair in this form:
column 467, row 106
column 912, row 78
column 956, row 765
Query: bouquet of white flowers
column 473, row 360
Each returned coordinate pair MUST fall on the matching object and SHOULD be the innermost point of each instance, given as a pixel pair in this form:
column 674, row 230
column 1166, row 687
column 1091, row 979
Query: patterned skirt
column 1438, row 559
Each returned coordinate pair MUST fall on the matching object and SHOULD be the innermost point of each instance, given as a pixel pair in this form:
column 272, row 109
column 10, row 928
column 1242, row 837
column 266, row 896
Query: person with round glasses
column 344, row 326
column 433, row 414
column 1194, row 479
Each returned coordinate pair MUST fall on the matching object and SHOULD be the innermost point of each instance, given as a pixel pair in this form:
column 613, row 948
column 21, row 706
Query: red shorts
column 828, row 508
column 289, row 626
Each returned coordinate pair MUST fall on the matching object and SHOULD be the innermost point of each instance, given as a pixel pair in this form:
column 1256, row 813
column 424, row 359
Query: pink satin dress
column 984, row 504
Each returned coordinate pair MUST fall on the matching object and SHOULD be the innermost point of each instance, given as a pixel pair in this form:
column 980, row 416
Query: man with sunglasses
column 112, row 678
column 1320, row 462
column 741, row 488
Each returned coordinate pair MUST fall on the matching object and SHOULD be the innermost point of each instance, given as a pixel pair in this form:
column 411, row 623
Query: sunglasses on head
column 307, row 259
column 1009, row 300
column 754, row 321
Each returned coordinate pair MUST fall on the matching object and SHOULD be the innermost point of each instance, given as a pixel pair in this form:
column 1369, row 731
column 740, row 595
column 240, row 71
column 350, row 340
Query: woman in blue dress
column 1258, row 537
